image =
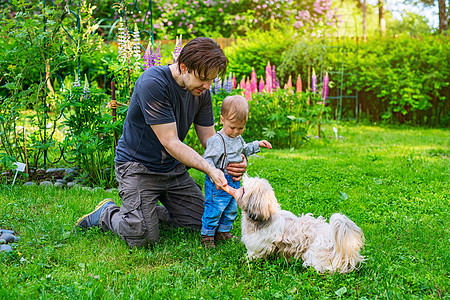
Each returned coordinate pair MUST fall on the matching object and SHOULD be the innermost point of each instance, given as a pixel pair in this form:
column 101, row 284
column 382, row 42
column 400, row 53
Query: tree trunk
column 443, row 17
column 364, row 11
column 381, row 19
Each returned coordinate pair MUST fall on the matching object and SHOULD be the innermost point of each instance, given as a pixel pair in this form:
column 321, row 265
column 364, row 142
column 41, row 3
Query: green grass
column 394, row 183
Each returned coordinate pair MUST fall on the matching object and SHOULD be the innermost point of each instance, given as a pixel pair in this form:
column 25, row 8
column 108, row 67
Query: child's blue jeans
column 220, row 207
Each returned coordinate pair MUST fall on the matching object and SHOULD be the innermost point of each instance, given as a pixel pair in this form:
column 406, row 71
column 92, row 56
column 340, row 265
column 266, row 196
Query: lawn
column 393, row 182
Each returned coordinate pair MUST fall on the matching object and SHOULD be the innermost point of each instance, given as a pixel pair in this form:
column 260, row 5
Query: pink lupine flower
column 248, row 90
column 254, row 82
column 261, row 85
column 268, row 78
column 242, row 83
column 234, row 82
column 288, row 85
column 314, row 81
column 299, row 84
column 326, row 80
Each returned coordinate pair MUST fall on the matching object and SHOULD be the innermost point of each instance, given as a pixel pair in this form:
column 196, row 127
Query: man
column 151, row 158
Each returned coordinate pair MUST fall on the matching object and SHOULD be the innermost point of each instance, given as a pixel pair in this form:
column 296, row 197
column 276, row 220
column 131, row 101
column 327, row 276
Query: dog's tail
column 348, row 239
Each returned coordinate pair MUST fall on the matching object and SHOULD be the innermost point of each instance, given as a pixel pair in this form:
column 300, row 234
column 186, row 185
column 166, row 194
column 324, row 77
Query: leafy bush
column 256, row 50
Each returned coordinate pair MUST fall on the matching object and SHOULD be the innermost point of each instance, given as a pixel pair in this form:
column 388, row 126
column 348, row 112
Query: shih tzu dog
column 268, row 230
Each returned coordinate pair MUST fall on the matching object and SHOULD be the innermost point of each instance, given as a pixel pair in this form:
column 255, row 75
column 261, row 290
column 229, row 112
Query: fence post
column 114, row 109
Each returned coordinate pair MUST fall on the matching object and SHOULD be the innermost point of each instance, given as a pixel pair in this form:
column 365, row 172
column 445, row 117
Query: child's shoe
column 208, row 241
column 225, row 236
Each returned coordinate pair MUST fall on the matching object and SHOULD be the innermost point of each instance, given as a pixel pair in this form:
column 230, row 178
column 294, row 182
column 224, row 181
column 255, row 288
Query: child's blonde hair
column 235, row 108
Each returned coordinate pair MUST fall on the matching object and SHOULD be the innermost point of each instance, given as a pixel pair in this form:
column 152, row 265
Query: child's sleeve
column 251, row 148
column 214, row 150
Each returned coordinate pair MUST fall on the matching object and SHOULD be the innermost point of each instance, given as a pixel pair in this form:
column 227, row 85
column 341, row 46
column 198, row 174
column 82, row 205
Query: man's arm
column 167, row 135
column 204, row 133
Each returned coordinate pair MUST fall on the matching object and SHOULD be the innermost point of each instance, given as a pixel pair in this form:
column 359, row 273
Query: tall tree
column 381, row 18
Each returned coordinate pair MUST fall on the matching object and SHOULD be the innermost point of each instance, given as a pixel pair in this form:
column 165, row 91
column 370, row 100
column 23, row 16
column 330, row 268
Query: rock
column 6, row 248
column 3, row 231
column 46, row 183
column 85, row 188
column 96, row 189
column 70, row 171
column 29, row 183
column 61, row 181
column 112, row 190
column 9, row 238
column 59, row 184
column 71, row 184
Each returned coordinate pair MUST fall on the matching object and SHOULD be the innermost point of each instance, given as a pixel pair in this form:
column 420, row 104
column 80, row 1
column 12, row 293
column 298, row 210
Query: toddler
column 225, row 147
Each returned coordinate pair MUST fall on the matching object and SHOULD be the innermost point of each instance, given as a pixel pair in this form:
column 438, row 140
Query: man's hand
column 237, row 169
column 219, row 179
column 265, row 144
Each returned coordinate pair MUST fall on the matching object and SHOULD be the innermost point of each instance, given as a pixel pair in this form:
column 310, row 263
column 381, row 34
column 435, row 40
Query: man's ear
column 183, row 68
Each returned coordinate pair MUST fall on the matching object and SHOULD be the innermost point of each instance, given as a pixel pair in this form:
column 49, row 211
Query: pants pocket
column 132, row 222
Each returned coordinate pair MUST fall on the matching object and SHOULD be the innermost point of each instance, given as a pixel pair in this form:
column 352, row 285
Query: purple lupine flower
column 268, row 78
column 147, row 59
column 326, row 80
column 229, row 85
column 274, row 79
column 261, row 85
column 86, row 90
column 157, row 56
column 217, row 85
column 178, row 47
column 314, row 81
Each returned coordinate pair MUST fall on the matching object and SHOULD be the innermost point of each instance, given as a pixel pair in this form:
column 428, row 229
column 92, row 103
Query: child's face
column 233, row 128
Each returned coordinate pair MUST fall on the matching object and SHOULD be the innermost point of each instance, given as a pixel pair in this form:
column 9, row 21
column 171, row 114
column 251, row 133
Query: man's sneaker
column 225, row 236
column 91, row 219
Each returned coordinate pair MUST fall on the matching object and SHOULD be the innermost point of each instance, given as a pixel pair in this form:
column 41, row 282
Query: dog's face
column 257, row 198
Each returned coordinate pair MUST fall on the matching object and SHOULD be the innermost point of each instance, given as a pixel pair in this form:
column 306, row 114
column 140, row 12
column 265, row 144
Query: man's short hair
column 203, row 55
column 235, row 108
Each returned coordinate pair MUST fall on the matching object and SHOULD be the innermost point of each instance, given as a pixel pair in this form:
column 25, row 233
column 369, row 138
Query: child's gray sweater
column 214, row 153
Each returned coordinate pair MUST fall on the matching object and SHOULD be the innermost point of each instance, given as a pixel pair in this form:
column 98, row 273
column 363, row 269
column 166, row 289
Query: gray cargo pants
column 136, row 221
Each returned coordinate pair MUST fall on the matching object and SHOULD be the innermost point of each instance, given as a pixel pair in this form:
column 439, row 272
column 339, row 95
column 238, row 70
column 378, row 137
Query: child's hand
column 265, row 144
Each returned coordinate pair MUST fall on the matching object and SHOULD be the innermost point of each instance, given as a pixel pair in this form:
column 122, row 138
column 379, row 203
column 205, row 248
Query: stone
column 85, row 188
column 70, row 171
column 96, row 189
column 9, row 238
column 29, row 183
column 112, row 190
column 59, row 184
column 71, row 184
column 61, row 181
column 46, row 183
column 3, row 231
column 6, row 248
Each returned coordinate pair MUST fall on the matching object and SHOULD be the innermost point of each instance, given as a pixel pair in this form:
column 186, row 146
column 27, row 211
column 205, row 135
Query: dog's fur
column 268, row 230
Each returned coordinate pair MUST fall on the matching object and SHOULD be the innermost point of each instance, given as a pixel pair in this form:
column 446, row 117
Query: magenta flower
column 275, row 83
column 269, row 83
column 254, row 82
column 261, row 85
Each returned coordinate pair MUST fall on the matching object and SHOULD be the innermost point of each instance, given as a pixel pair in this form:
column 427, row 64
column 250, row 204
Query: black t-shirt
column 158, row 99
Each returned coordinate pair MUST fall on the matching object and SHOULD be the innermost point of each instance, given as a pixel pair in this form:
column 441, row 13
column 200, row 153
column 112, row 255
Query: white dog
column 267, row 230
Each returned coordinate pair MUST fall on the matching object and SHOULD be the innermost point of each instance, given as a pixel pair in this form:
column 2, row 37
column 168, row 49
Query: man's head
column 200, row 61
column 234, row 115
